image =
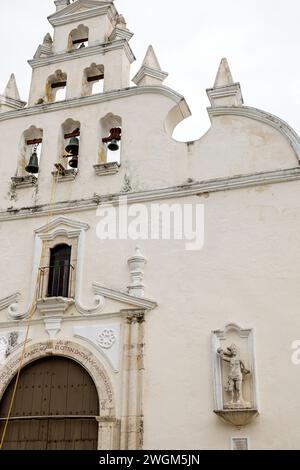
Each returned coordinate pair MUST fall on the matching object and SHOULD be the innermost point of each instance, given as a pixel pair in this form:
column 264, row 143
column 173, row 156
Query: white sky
column 258, row 37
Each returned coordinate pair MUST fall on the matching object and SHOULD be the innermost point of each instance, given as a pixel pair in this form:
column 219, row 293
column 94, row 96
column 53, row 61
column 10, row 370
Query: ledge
column 110, row 168
column 237, row 417
column 100, row 49
column 69, row 175
column 198, row 188
column 24, row 181
column 98, row 98
column 53, row 305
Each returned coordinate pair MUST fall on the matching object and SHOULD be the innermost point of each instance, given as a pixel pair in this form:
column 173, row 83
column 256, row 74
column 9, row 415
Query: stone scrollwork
column 97, row 307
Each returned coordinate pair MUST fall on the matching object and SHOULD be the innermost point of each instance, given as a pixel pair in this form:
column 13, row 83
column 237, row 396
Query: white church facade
column 140, row 342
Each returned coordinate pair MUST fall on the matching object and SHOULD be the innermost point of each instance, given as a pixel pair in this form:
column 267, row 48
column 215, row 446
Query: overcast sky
column 260, row 39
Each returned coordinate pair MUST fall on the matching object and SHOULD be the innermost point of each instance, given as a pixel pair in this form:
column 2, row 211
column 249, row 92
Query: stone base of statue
column 237, row 417
column 242, row 405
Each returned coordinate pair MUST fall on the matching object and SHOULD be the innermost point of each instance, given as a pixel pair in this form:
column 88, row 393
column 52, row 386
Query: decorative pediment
column 82, row 9
column 122, row 300
column 61, row 226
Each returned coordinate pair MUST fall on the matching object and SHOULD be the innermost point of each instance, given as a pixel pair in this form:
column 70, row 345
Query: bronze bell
column 73, row 163
column 73, row 147
column 113, row 145
column 33, row 165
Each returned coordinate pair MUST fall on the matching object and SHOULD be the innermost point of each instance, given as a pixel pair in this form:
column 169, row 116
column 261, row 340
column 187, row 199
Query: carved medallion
column 107, row 338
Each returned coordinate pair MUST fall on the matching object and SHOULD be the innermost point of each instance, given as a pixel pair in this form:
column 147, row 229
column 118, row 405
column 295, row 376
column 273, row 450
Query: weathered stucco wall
column 245, row 172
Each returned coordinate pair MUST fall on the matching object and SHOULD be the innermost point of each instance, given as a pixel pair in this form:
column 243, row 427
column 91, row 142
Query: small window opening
column 60, row 272
column 239, row 443
column 80, row 43
column 97, row 84
column 60, row 94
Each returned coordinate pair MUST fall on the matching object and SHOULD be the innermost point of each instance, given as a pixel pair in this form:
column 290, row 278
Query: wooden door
column 55, row 408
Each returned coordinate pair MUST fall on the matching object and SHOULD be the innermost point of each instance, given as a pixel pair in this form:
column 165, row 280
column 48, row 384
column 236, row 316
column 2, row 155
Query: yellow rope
column 30, row 316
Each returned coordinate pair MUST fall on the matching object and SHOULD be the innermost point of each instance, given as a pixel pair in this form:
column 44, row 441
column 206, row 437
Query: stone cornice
column 70, row 14
column 260, row 116
column 12, row 103
column 150, row 72
column 124, row 297
column 96, row 99
column 184, row 190
column 89, row 51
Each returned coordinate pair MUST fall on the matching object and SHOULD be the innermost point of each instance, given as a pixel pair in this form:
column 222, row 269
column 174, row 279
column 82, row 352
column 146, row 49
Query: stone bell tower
column 90, row 39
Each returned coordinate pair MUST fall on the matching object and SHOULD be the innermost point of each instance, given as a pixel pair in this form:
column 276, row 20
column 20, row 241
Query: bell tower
column 90, row 44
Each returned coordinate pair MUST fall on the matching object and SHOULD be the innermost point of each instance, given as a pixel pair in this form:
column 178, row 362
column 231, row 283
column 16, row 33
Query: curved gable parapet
column 177, row 98
column 260, row 116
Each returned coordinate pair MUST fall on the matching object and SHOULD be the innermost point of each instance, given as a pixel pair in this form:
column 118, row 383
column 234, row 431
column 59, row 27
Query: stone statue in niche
column 235, row 378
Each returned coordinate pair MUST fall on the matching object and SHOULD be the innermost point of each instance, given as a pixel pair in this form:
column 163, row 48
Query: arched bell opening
column 30, row 152
column 56, row 87
column 70, row 144
column 110, row 139
column 78, row 38
column 93, row 80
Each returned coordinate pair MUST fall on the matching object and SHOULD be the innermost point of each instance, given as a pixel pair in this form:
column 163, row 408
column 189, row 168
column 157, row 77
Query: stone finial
column 10, row 100
column 150, row 72
column 48, row 40
column 45, row 49
column 60, row 4
column 136, row 268
column 120, row 22
column 11, row 90
column 225, row 91
column 224, row 77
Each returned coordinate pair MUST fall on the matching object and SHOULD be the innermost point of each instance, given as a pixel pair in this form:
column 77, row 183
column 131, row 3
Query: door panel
column 53, row 396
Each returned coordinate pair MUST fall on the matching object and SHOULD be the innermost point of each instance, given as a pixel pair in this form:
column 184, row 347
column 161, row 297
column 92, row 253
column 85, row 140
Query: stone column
column 133, row 378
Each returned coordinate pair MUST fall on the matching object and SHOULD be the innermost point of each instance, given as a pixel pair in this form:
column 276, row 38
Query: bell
column 82, row 46
column 33, row 165
column 113, row 145
column 73, row 163
column 73, row 146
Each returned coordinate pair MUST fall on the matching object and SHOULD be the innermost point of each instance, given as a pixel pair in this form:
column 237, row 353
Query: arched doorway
column 55, row 408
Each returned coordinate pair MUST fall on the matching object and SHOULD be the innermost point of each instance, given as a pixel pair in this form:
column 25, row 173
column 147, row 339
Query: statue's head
column 233, row 349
